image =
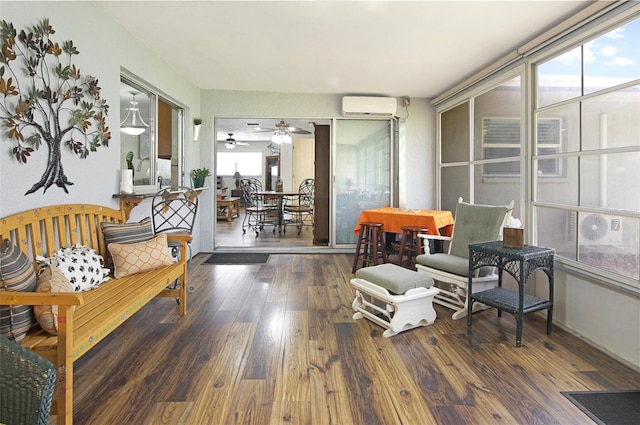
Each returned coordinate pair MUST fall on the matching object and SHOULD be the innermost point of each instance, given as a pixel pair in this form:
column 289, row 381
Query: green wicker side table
column 519, row 263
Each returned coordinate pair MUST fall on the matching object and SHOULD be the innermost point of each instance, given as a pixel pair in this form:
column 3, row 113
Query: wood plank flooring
column 276, row 344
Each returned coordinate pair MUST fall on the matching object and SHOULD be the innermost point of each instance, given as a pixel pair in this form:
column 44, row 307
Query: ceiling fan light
column 281, row 136
column 230, row 145
column 133, row 124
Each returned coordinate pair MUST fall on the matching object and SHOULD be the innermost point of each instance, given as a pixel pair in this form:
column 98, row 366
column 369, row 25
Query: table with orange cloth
column 393, row 219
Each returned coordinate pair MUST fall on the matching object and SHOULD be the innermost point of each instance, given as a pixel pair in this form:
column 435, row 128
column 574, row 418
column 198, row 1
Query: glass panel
column 613, row 58
column 557, row 228
column 610, row 242
column 138, row 151
column 562, row 122
column 562, row 190
column 491, row 191
column 363, row 171
column 560, row 78
column 611, row 120
column 454, row 128
column 455, row 184
column 497, row 121
column 602, row 179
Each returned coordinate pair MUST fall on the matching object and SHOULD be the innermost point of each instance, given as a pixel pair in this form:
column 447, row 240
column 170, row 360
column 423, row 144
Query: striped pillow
column 16, row 274
column 125, row 233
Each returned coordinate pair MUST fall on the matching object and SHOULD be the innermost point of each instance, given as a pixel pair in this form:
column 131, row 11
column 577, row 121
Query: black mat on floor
column 237, row 258
column 608, row 407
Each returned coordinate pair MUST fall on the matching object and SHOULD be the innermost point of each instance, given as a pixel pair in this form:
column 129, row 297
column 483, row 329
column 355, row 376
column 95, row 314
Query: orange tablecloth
column 393, row 219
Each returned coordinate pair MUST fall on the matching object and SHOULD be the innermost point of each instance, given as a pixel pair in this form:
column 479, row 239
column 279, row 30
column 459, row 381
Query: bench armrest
column 41, row 298
column 179, row 238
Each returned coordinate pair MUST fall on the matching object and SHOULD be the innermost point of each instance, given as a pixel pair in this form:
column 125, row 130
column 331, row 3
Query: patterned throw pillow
column 125, row 233
column 81, row 265
column 139, row 257
column 16, row 274
column 50, row 280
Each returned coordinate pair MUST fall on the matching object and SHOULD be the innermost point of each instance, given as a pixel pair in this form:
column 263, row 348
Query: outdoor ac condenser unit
column 369, row 106
column 600, row 229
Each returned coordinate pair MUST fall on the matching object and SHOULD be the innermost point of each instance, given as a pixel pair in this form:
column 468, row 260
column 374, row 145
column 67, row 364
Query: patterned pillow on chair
column 16, row 274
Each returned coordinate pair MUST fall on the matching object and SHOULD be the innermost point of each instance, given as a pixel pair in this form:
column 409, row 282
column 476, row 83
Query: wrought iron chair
column 174, row 211
column 301, row 206
column 257, row 212
column 473, row 223
column 27, row 385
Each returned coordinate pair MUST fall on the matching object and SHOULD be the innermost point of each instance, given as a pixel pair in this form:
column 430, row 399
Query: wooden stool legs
column 410, row 246
column 370, row 249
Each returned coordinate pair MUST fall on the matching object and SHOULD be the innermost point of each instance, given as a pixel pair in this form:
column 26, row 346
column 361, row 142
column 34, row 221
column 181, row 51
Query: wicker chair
column 27, row 385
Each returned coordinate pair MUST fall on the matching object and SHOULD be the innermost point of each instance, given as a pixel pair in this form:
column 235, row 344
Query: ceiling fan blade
column 263, row 130
column 296, row 130
column 242, row 143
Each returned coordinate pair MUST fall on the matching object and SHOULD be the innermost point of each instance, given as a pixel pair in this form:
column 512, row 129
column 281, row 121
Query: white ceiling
column 383, row 48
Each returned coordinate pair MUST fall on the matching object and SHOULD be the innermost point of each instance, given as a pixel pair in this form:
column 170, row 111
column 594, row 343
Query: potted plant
column 199, row 175
column 197, row 122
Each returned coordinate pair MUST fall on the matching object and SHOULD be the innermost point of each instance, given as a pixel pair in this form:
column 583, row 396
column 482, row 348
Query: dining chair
column 300, row 207
column 473, row 223
column 257, row 212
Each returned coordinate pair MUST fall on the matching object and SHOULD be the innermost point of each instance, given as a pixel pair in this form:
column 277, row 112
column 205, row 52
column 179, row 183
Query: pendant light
column 133, row 123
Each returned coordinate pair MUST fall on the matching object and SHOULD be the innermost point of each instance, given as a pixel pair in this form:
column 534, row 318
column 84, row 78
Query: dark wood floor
column 276, row 344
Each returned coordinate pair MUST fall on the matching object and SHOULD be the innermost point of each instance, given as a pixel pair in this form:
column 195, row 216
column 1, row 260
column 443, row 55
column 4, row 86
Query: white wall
column 104, row 47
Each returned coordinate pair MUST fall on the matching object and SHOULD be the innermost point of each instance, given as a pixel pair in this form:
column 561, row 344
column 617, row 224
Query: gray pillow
column 125, row 233
column 16, row 274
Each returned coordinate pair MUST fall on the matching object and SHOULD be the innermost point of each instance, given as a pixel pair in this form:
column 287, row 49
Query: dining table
column 279, row 196
column 437, row 222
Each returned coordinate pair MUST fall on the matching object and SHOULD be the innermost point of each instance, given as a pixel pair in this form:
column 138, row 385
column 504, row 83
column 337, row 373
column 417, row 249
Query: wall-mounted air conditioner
column 369, row 106
column 599, row 229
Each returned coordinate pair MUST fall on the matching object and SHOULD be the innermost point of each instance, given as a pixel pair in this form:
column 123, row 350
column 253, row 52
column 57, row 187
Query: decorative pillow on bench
column 139, row 257
column 50, row 280
column 16, row 274
column 81, row 265
column 125, row 233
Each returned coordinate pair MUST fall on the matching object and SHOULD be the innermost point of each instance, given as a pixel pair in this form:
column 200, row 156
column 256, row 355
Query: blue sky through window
column 614, row 54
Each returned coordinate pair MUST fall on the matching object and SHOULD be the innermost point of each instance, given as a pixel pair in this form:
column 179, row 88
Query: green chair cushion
column 450, row 264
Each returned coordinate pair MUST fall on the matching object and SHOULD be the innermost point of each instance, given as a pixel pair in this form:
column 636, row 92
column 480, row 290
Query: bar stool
column 410, row 246
column 370, row 249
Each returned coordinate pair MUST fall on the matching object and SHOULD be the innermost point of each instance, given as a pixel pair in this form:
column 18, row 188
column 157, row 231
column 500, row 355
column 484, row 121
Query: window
column 576, row 140
column 501, row 139
column 591, row 217
column 248, row 164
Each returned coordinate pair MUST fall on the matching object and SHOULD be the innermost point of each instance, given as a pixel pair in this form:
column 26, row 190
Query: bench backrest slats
column 42, row 231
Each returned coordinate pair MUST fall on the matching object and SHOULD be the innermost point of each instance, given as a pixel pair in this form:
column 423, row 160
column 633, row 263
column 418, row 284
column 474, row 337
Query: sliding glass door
column 362, row 170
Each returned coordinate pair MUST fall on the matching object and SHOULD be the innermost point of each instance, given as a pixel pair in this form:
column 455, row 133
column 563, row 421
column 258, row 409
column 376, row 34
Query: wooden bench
column 84, row 318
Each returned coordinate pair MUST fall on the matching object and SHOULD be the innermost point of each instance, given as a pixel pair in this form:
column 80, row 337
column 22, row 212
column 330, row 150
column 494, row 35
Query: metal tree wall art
column 44, row 100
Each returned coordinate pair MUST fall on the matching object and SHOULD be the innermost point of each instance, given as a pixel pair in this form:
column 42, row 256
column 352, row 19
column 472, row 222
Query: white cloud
column 608, row 51
column 621, row 61
column 616, row 33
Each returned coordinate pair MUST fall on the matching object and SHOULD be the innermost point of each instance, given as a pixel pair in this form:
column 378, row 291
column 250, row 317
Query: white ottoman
column 395, row 298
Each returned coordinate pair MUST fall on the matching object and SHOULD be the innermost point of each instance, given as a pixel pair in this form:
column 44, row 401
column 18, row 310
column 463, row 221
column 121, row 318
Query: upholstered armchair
column 473, row 223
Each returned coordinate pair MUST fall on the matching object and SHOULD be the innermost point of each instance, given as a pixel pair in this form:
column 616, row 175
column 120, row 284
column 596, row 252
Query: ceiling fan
column 231, row 143
column 284, row 127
